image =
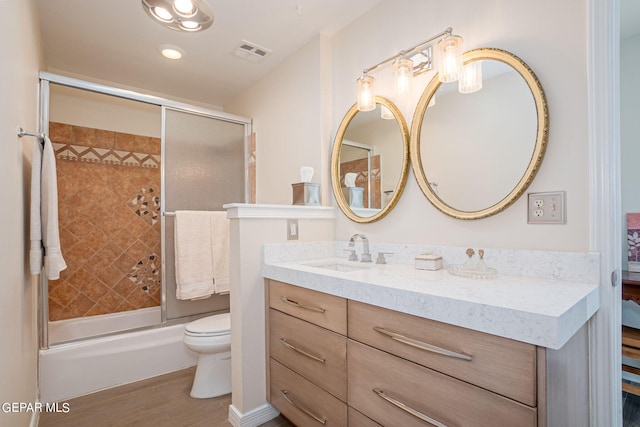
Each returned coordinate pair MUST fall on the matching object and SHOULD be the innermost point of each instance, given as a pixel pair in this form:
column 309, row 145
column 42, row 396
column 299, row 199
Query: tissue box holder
column 428, row 262
column 306, row 193
column 356, row 197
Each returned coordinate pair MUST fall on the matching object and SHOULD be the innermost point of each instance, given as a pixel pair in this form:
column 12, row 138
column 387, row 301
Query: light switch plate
column 292, row 229
column 547, row 208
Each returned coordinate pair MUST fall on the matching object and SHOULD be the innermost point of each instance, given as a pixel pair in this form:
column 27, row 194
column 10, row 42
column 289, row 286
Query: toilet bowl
column 210, row 337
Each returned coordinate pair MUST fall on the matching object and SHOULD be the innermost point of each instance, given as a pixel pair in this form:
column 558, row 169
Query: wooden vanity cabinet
column 307, row 349
column 360, row 365
column 501, row 365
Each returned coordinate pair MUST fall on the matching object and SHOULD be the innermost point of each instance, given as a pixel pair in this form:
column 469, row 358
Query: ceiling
column 116, row 41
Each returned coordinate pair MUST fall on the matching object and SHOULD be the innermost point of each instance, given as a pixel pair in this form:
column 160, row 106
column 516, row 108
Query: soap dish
column 472, row 273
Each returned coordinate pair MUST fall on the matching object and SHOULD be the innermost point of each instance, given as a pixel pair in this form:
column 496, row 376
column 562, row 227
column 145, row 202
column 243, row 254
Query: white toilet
column 210, row 337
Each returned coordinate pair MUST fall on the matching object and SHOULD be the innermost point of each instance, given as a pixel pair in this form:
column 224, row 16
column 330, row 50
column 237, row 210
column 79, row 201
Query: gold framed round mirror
column 474, row 154
column 370, row 161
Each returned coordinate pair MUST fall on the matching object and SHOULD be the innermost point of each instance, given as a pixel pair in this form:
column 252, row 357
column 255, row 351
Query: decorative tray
column 472, row 273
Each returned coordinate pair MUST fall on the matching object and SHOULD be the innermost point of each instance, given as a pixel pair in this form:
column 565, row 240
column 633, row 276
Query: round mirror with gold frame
column 474, row 154
column 370, row 161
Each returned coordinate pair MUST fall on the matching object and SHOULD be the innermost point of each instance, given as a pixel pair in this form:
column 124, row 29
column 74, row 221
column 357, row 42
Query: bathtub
column 75, row 369
column 91, row 326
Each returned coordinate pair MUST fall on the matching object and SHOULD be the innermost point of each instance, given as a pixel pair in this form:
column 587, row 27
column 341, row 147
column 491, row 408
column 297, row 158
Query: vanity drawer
column 440, row 397
column 504, row 366
column 302, row 402
column 319, row 308
column 314, row 352
column 356, row 419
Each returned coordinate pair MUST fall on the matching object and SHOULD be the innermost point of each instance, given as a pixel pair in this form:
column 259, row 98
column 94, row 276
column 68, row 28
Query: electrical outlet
column 292, row 229
column 547, row 208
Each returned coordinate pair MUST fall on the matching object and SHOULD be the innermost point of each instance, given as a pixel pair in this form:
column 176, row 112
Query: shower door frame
column 45, row 79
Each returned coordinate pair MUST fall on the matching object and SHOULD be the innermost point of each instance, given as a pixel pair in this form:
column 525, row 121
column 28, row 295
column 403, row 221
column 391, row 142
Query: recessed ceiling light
column 171, row 52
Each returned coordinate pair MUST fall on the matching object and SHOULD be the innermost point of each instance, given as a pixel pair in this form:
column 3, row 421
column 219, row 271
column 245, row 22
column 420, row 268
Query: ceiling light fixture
column 413, row 61
column 171, row 52
column 180, row 15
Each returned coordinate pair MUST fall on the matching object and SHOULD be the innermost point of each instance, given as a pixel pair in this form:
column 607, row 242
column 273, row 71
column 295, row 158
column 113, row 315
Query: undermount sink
column 338, row 266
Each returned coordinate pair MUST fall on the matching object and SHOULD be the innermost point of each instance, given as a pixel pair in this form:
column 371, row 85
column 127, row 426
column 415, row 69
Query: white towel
column 35, row 229
column 193, row 257
column 220, row 251
column 44, row 231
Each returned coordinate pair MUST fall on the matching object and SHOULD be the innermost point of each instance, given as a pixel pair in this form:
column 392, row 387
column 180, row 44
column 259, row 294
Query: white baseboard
column 253, row 418
column 35, row 419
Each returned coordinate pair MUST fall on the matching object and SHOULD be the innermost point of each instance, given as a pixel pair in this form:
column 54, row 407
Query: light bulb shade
column 449, row 59
column 185, row 8
column 366, row 95
column 385, row 113
column 403, row 72
column 161, row 14
column 471, row 78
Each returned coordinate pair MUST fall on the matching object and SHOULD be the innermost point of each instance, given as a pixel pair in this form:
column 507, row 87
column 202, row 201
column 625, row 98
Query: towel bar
column 22, row 132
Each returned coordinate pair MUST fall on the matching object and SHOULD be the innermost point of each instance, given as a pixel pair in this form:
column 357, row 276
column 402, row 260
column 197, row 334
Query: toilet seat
column 211, row 326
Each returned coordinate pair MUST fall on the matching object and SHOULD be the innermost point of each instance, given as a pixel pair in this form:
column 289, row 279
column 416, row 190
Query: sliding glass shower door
column 204, row 168
column 124, row 160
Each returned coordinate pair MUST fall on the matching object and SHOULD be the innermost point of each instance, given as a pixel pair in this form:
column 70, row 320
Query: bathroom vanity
column 357, row 345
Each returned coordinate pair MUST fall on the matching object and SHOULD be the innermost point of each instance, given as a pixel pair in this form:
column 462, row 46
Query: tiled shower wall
column 108, row 209
column 361, row 167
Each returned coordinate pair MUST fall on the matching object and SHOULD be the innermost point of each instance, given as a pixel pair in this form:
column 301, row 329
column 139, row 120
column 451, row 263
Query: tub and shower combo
column 125, row 163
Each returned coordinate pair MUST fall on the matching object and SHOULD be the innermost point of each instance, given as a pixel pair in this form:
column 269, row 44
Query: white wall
column 249, row 232
column 89, row 109
column 629, row 131
column 287, row 109
column 549, row 36
column 20, row 45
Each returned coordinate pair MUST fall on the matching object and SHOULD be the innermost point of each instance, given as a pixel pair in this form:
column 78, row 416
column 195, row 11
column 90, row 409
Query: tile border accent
column 105, row 156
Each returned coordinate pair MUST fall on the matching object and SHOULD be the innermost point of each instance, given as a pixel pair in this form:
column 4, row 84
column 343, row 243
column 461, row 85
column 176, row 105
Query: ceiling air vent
column 251, row 51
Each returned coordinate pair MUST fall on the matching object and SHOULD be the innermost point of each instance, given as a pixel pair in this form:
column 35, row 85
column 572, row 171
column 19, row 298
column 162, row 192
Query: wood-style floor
column 630, row 409
column 162, row 401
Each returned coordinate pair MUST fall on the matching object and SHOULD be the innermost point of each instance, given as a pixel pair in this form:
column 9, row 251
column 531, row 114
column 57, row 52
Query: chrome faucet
column 366, row 256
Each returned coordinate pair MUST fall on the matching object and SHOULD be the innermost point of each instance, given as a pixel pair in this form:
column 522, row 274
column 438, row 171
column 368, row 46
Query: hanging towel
column 35, row 229
column 44, row 233
column 220, row 251
column 193, row 255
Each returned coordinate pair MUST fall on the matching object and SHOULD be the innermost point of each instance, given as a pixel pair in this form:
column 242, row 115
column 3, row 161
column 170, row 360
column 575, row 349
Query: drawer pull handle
column 421, row 345
column 297, row 304
column 408, row 409
column 294, row 348
column 285, row 394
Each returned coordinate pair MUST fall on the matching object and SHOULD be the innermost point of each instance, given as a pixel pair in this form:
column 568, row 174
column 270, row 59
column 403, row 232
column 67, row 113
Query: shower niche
column 125, row 163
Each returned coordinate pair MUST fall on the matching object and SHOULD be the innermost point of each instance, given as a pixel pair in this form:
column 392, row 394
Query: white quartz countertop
column 543, row 312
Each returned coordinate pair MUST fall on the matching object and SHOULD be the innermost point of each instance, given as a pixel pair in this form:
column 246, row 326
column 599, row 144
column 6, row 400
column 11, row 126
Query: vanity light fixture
column 415, row 60
column 449, row 59
column 403, row 72
column 180, row 15
column 386, row 114
column 471, row 79
column 366, row 95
